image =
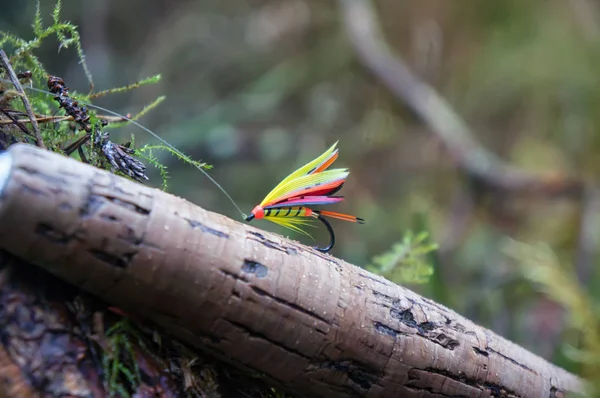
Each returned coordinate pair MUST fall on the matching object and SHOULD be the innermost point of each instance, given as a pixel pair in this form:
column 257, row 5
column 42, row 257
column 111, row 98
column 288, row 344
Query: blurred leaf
column 406, row 262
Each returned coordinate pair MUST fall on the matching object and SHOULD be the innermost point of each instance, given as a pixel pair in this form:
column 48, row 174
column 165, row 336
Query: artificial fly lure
column 290, row 203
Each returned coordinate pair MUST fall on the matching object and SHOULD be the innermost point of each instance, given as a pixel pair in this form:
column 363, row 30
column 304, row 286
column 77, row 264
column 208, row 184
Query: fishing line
column 177, row 151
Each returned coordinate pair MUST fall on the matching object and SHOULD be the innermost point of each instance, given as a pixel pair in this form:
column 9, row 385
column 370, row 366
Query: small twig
column 366, row 37
column 45, row 119
column 69, row 149
column 111, row 119
column 55, row 119
column 13, row 120
column 17, row 84
column 82, row 154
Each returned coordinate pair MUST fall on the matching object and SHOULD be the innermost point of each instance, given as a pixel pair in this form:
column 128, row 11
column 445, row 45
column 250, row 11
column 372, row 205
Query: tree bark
column 48, row 350
column 55, row 342
column 316, row 325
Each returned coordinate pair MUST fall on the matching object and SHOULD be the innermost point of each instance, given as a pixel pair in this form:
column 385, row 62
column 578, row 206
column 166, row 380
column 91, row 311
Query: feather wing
column 341, row 216
column 303, row 185
column 307, row 201
column 317, row 165
column 313, row 167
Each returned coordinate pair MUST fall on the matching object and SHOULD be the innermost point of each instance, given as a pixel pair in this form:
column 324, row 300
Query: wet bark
column 51, row 345
column 316, row 325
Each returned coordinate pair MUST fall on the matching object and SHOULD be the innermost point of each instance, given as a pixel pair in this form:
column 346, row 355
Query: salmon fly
column 290, row 203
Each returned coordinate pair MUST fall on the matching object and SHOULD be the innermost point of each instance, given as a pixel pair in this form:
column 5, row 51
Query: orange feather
column 340, row 216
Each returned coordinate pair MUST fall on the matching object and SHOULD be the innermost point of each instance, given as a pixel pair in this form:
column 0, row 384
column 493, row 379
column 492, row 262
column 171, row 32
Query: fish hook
column 331, row 234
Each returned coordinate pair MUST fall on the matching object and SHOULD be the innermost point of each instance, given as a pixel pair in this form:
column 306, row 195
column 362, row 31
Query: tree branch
column 314, row 324
column 366, row 37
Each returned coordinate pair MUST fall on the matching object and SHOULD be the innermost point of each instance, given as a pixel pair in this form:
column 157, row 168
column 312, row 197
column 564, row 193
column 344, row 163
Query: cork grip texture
column 317, row 325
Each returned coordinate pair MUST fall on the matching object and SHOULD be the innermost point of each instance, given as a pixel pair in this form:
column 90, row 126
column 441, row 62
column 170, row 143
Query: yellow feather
column 312, row 164
column 304, row 182
column 293, row 223
column 302, row 171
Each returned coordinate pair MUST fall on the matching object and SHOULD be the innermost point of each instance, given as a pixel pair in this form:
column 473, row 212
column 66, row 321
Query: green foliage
column 146, row 153
column 121, row 371
column 540, row 265
column 149, row 80
column 406, row 262
column 127, row 343
column 274, row 393
column 23, row 58
column 141, row 113
column 65, row 32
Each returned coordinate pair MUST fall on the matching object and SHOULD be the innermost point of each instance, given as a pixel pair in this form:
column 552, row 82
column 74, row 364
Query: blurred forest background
column 257, row 88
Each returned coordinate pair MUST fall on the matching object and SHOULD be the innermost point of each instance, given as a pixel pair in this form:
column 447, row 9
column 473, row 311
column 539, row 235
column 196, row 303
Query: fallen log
column 314, row 324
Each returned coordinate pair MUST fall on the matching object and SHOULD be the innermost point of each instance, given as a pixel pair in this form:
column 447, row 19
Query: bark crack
column 263, row 240
column 289, row 304
column 252, row 334
column 511, row 360
column 264, row 293
column 416, row 375
column 362, row 375
column 198, row 225
column 430, row 330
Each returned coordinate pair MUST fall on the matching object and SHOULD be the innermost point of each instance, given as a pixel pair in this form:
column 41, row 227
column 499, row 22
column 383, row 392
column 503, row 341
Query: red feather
column 317, row 190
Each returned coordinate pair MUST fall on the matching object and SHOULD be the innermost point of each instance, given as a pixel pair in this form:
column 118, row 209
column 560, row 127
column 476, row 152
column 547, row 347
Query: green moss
column 59, row 132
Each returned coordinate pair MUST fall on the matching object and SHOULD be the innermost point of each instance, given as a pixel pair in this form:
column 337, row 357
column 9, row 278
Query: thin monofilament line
column 177, row 151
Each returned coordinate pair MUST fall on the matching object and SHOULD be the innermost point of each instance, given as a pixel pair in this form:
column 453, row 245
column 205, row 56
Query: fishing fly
column 290, row 203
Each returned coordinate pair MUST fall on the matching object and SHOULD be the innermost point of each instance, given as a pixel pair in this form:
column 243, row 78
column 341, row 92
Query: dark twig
column 16, row 122
column 15, row 81
column 82, row 154
column 48, row 119
column 75, row 145
column 55, row 119
column 366, row 37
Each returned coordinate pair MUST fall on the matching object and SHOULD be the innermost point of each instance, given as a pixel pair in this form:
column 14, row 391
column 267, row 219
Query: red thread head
column 258, row 212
